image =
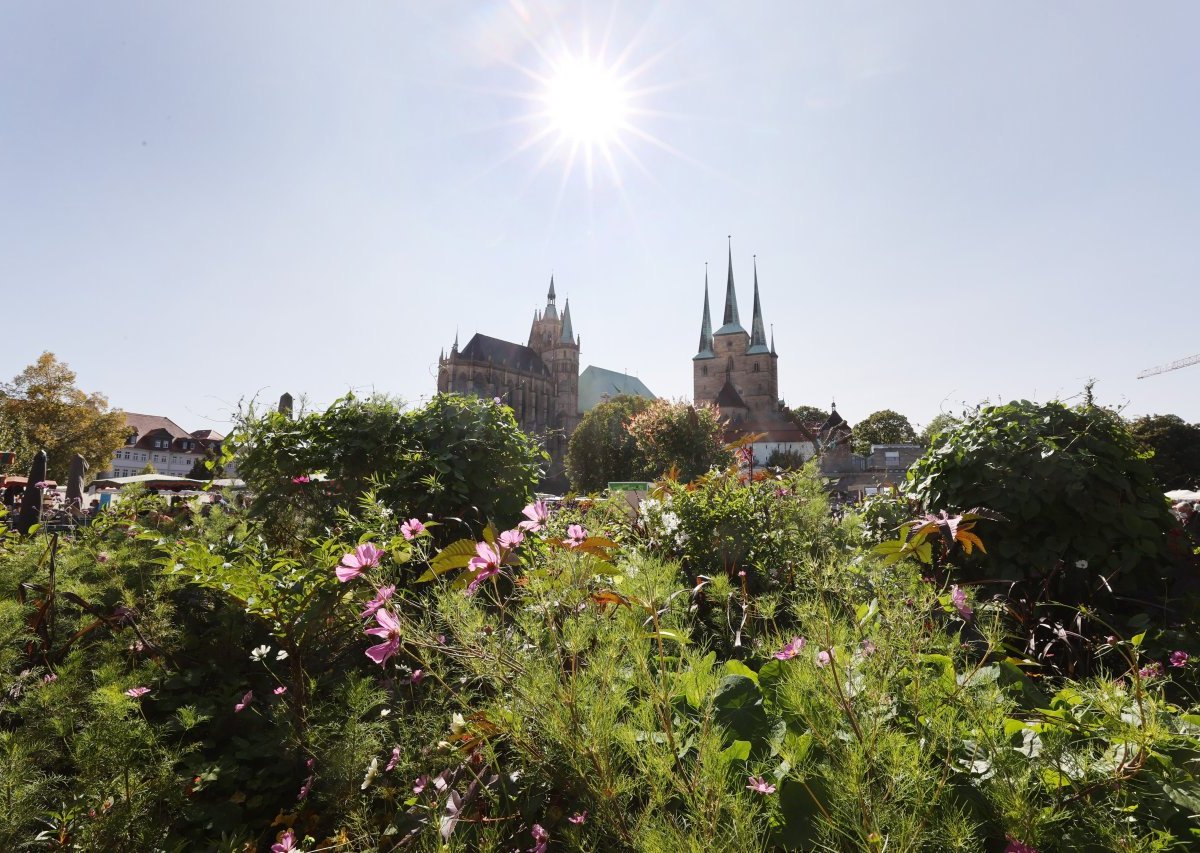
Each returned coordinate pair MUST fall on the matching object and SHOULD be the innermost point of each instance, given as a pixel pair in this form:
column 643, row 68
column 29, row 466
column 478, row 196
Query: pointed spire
column 455, row 347
column 758, row 336
column 568, row 334
column 706, row 334
column 551, row 312
column 731, row 324
column 773, row 340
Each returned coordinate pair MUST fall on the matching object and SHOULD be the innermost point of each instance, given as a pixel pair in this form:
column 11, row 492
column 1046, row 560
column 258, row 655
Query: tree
column 455, row 457
column 149, row 469
column 882, row 427
column 602, row 448
column 1176, row 447
column 680, row 436
column 1085, row 515
column 942, row 422
column 45, row 409
column 807, row 416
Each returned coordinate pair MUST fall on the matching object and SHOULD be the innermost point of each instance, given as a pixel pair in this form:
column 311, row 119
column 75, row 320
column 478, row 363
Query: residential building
column 159, row 441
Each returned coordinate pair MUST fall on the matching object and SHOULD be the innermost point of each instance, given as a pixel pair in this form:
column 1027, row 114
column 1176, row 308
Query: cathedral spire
column 568, row 334
column 773, row 340
column 706, row 334
column 731, row 323
column 551, row 312
column 758, row 335
column 550, row 293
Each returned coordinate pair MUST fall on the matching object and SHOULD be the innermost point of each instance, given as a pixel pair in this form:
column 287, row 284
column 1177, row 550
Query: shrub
column 602, row 449
column 679, row 437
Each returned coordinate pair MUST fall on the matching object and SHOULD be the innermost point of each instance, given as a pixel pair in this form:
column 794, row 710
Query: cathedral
column 738, row 371
column 539, row 380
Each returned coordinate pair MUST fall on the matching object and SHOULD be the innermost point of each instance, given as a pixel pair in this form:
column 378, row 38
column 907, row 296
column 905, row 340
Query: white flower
column 372, row 772
column 670, row 521
column 259, row 653
column 281, row 654
column 1081, row 564
column 457, row 723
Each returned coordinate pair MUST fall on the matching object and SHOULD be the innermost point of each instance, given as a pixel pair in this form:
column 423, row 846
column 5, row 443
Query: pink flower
column 541, row 839
column 137, row 692
column 286, row 843
column 305, row 789
column 42, row 484
column 1179, row 658
column 412, row 529
column 824, row 658
column 302, row 479
column 420, row 783
column 579, row 818
column 486, row 564
column 389, row 629
column 49, row 678
column 760, row 785
column 959, row 599
column 1153, row 670
column 102, row 557
column 384, row 595
column 866, row 648
column 575, row 536
column 418, row 676
column 790, row 649
column 1015, row 846
column 280, row 690
column 246, row 700
column 510, row 539
column 537, row 515
column 496, row 400
column 364, row 557
column 391, row 765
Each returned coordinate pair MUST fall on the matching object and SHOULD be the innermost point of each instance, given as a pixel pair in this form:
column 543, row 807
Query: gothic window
column 704, row 370
column 756, row 367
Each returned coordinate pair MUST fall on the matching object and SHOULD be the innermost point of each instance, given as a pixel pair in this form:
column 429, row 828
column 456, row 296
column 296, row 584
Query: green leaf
column 739, row 750
column 736, row 667
column 740, row 708
column 456, row 555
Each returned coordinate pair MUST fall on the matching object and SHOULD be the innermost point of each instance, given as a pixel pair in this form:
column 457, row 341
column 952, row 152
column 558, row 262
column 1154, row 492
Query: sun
column 586, row 102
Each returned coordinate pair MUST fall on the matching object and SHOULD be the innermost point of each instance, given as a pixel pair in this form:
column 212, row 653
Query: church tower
column 552, row 336
column 734, row 369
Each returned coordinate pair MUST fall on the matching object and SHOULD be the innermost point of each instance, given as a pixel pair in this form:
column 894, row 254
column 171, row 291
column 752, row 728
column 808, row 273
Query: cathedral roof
column 504, row 354
column 596, row 384
column 729, row 398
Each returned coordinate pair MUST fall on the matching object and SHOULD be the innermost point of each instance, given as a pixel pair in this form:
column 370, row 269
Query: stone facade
column 539, row 381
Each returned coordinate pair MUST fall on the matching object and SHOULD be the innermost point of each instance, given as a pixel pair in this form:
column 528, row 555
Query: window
column 704, row 370
column 126, row 454
column 891, row 458
column 756, row 367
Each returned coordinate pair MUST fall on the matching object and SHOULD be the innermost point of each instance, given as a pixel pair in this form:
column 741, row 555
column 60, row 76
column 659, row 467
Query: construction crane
column 1175, row 365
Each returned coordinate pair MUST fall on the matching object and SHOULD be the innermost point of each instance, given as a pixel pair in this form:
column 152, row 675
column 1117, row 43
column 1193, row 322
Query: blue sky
column 949, row 202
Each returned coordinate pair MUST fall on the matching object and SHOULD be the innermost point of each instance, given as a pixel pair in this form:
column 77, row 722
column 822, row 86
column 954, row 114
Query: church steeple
column 731, row 324
column 758, row 335
column 551, row 312
column 568, row 334
column 706, row 334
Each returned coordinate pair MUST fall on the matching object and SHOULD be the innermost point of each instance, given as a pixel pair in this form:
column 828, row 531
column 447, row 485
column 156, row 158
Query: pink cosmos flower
column 50, row 678
column 364, row 557
column 305, row 789
column 541, row 839
column 391, row 765
column 1153, row 670
column 384, row 595
column 579, row 818
column 790, row 649
column 536, row 515
column 1179, row 658
column 246, row 700
column 302, row 479
column 510, row 539
column 487, row 564
column 137, row 692
column 388, row 628
column 417, row 677
column 760, row 785
column 1015, row 846
column 420, row 783
column 286, row 843
column 412, row 529
column 575, row 536
column 824, row 658
column 280, row 690
column 958, row 598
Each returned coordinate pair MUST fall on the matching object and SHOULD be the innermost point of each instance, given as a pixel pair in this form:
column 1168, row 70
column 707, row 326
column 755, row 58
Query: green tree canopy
column 882, row 427
column 677, row 435
column 806, row 416
column 455, row 457
column 1084, row 511
column 942, row 422
column 1176, row 447
column 42, row 409
column 602, row 448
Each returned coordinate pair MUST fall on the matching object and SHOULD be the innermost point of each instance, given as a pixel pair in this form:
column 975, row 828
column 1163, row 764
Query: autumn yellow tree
column 42, row 409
